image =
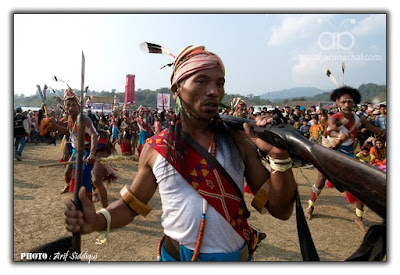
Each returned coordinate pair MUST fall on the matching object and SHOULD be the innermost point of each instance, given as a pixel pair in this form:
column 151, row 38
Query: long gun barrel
column 366, row 183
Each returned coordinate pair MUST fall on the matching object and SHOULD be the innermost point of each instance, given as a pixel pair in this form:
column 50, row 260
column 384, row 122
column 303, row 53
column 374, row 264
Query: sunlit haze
column 261, row 52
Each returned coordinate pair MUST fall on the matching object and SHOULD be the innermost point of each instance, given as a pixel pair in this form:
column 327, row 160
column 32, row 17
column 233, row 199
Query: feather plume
column 166, row 65
column 56, row 79
column 154, row 48
column 330, row 75
column 58, row 98
column 52, row 90
column 343, row 67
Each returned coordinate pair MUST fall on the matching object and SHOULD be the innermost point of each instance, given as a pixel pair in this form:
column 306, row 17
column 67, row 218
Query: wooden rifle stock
column 366, row 183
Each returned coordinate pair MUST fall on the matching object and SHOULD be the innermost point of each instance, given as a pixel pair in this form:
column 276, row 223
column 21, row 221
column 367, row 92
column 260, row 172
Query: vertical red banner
column 129, row 89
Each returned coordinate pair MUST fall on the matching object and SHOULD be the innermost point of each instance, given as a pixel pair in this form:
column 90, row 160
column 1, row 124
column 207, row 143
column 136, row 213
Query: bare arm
column 94, row 138
column 370, row 127
column 60, row 127
column 143, row 187
column 283, row 184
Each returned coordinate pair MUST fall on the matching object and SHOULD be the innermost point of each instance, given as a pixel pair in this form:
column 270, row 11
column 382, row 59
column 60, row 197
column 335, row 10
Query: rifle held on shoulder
column 366, row 183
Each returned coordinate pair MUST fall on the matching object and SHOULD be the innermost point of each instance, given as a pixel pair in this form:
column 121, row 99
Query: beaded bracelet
column 277, row 165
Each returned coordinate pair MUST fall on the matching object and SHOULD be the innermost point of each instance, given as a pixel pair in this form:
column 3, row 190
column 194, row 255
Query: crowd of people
column 177, row 153
column 129, row 128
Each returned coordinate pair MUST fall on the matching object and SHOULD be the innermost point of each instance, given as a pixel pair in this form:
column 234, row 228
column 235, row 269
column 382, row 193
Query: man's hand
column 80, row 221
column 91, row 159
column 270, row 150
column 344, row 136
column 382, row 134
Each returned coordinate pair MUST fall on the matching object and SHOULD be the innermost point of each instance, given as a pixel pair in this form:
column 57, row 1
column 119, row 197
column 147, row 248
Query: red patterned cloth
column 209, row 183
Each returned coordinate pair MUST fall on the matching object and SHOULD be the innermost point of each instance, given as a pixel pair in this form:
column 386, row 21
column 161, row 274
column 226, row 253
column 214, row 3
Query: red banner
column 129, row 90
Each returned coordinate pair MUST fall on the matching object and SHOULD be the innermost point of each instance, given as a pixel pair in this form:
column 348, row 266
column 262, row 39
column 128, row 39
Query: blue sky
column 261, row 52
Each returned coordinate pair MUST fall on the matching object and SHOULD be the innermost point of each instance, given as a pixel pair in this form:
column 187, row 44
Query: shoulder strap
column 307, row 247
column 210, row 159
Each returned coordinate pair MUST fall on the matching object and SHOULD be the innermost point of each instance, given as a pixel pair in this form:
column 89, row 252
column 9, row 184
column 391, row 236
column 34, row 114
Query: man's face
column 202, row 92
column 345, row 104
column 71, row 107
column 382, row 110
column 241, row 110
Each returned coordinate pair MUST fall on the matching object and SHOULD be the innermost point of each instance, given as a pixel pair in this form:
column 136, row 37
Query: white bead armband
column 280, row 165
column 106, row 215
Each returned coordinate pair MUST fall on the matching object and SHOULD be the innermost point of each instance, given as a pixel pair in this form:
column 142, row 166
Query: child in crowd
column 305, row 128
column 296, row 122
column 316, row 130
column 364, row 155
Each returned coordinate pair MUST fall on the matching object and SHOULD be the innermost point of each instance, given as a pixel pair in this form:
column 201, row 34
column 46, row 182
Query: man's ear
column 175, row 91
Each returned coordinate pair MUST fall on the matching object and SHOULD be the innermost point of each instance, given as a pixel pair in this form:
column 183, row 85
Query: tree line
column 148, row 98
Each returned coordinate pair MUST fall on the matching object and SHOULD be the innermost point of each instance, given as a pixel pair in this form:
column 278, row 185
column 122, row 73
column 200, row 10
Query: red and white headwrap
column 193, row 59
column 69, row 94
column 236, row 101
column 140, row 108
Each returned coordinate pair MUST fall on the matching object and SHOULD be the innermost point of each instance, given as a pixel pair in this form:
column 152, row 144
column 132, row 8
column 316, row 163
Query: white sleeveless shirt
column 182, row 208
column 343, row 129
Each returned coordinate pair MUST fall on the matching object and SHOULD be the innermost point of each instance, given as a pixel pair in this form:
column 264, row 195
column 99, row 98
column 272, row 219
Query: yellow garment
column 362, row 158
column 315, row 131
column 377, row 155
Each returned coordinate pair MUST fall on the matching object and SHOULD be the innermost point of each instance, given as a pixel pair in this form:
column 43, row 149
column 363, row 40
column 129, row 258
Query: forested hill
column 369, row 92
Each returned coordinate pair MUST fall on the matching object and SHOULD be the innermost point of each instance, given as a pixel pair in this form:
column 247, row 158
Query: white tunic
column 182, row 208
column 343, row 129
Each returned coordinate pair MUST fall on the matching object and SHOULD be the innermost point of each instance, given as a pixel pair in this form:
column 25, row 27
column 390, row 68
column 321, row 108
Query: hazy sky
column 261, row 52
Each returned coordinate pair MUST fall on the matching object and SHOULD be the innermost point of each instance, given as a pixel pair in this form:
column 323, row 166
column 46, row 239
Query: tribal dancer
column 239, row 107
column 342, row 129
column 145, row 130
column 95, row 147
column 128, row 137
column 199, row 166
column 66, row 157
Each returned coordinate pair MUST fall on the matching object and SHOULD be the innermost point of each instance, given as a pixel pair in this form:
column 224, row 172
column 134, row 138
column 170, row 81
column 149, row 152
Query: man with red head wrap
column 239, row 107
column 96, row 146
column 199, row 165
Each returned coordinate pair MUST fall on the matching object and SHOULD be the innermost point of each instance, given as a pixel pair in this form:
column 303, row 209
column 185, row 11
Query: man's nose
column 213, row 89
